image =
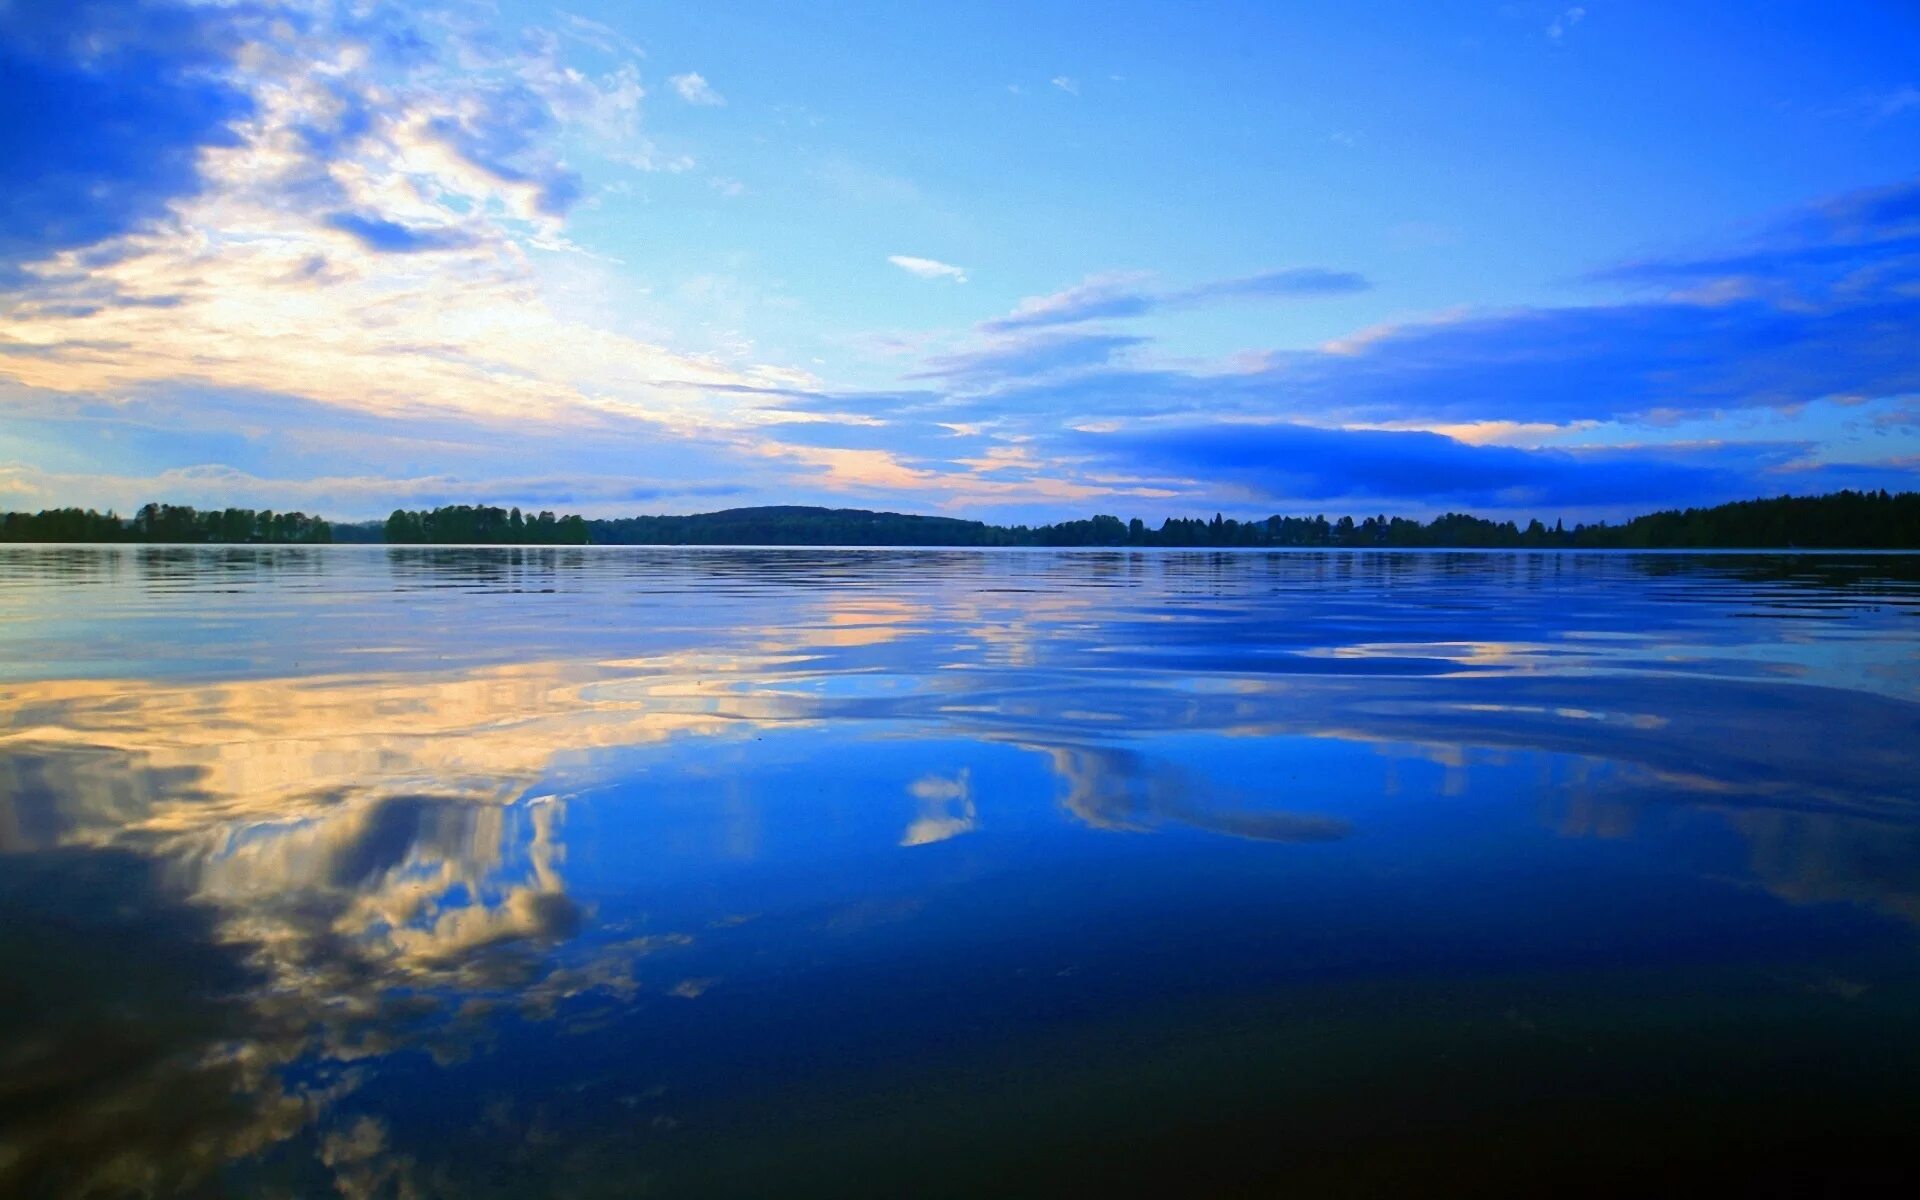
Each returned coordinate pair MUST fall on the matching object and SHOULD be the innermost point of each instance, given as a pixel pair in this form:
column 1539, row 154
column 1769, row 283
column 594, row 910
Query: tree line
column 483, row 525
column 165, row 523
column 1841, row 520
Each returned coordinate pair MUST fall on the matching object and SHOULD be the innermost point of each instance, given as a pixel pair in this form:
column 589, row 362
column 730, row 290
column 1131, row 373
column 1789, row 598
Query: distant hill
column 799, row 525
column 1842, row 520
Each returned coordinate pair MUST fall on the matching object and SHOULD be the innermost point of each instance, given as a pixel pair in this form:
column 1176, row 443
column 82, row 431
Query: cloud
column 1901, row 99
column 1291, row 462
column 920, row 439
column 600, row 36
column 1099, row 298
column 694, row 89
column 1021, row 358
column 362, row 220
column 1067, row 84
column 505, row 131
column 1557, row 366
column 1825, row 302
column 1821, row 248
column 1116, row 296
column 1565, row 22
column 1822, row 303
column 105, row 110
column 376, row 233
column 1293, row 282
column 928, row 268
column 367, row 222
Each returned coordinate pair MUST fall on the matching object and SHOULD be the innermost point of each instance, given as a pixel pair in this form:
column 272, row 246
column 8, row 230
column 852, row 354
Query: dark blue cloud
column 506, row 135
column 1031, row 356
column 697, row 489
column 104, row 107
column 1113, row 299
column 1295, row 281
column 340, row 128
column 1796, row 320
column 1304, row 463
column 378, row 233
column 1824, row 303
column 1874, row 229
column 389, row 32
column 1609, row 361
column 867, row 404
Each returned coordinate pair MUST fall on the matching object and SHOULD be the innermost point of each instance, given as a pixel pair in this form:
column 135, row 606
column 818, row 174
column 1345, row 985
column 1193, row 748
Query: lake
column 372, row 871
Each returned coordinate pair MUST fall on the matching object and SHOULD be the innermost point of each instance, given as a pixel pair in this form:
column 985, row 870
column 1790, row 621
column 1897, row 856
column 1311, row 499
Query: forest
column 1856, row 520
column 1841, row 520
column 481, row 525
column 165, row 523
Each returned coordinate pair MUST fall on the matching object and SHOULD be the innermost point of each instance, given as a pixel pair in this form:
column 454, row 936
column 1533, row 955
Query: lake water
column 608, row 872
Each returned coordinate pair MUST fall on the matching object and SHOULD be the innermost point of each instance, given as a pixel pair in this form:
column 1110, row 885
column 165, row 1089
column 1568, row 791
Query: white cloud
column 1566, row 21
column 1897, row 101
column 601, row 37
column 928, row 268
column 1067, row 84
column 398, row 269
column 694, row 89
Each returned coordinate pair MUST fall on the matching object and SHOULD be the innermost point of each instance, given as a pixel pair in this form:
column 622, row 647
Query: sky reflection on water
column 398, row 872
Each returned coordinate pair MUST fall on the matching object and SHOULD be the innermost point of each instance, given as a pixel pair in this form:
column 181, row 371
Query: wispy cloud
column 694, row 89
column 928, row 268
column 1905, row 98
column 1565, row 22
column 1025, row 358
column 1067, row 84
column 599, row 35
column 1825, row 304
column 1125, row 295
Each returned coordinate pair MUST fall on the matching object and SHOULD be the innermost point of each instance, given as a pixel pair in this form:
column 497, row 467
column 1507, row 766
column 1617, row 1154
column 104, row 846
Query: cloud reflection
column 337, row 866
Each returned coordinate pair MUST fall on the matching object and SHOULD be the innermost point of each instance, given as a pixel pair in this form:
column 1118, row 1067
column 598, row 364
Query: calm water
column 369, row 872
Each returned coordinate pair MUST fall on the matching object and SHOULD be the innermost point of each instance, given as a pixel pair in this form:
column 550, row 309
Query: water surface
column 608, row 872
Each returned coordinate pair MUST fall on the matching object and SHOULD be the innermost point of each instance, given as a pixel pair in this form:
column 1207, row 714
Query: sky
column 1013, row 262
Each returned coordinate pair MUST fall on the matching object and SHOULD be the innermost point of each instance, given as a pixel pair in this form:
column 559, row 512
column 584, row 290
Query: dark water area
column 380, row 872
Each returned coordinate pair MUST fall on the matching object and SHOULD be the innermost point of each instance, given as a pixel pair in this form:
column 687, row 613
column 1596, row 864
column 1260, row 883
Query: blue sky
column 1014, row 262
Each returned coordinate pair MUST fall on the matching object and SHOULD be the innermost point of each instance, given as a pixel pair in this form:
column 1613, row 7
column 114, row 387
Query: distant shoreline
column 1837, row 522
column 1151, row 551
